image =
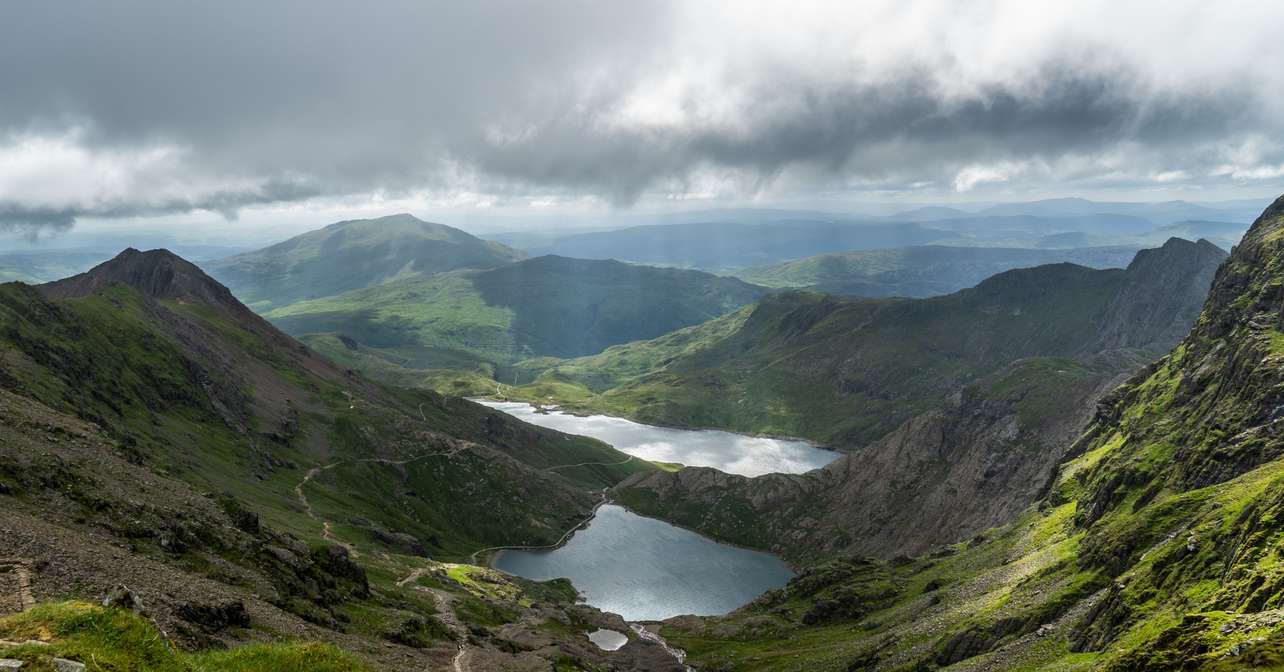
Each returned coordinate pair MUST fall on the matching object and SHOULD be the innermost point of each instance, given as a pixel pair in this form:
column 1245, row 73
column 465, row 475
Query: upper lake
column 645, row 569
column 725, row 451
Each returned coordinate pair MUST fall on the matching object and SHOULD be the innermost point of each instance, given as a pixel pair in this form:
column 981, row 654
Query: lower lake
column 725, row 451
column 645, row 569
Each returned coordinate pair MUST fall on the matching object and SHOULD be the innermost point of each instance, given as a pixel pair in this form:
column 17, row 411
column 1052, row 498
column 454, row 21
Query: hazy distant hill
column 46, row 265
column 727, row 245
column 350, row 255
column 729, row 240
column 921, row 271
column 1159, row 213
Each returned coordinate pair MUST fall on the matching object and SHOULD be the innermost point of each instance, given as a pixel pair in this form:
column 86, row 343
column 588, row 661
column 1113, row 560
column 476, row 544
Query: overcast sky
column 279, row 111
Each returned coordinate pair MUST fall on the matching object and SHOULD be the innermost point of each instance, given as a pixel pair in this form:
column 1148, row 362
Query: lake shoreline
column 566, row 538
column 645, row 569
column 735, row 453
column 488, row 554
column 581, row 413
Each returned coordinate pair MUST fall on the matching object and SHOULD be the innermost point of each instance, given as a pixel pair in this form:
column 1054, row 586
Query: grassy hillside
column 272, row 478
column 847, row 371
column 350, row 255
column 484, row 320
column 928, row 270
column 1155, row 547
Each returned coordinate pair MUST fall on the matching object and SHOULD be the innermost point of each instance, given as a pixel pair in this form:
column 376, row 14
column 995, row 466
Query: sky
column 243, row 114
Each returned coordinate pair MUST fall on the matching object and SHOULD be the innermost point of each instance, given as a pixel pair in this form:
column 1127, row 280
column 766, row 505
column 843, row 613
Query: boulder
column 124, row 598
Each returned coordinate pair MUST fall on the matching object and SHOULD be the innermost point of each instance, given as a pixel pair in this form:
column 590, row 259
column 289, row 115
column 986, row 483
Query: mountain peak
column 1176, row 251
column 159, row 274
column 1268, row 224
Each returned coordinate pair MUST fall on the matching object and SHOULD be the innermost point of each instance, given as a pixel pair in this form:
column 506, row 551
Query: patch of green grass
column 114, row 640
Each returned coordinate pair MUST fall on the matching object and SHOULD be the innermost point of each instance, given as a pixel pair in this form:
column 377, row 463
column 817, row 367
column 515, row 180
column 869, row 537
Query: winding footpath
column 472, row 559
column 626, row 460
column 327, row 528
column 446, row 612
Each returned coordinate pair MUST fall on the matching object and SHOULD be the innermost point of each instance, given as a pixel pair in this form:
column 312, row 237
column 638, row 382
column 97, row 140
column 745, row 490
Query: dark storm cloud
column 899, row 127
column 15, row 217
column 284, row 101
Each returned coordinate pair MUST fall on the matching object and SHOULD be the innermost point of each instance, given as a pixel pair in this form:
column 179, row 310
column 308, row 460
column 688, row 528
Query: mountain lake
column 646, row 569
column 724, row 451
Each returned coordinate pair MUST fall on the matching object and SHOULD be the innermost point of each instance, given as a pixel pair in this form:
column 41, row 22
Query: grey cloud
column 14, row 217
column 904, row 128
column 324, row 98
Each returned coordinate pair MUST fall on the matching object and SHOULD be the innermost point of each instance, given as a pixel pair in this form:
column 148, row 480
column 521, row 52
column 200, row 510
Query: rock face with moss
column 1155, row 547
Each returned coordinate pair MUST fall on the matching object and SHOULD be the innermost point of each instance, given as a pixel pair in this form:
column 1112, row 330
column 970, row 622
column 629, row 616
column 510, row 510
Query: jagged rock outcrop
column 1159, row 301
column 159, row 274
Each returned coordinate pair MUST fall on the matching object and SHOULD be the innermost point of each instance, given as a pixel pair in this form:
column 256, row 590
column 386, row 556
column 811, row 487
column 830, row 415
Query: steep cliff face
column 940, row 477
column 1192, row 451
column 1158, row 301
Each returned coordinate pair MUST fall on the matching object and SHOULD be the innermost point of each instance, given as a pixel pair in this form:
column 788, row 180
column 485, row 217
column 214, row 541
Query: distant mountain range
column 728, row 245
column 732, row 240
column 1156, row 213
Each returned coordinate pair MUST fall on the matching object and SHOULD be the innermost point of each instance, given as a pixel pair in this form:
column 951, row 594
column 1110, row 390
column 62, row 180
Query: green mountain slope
column 158, row 433
column 923, row 271
column 350, row 255
column 551, row 306
column 847, row 371
column 1155, row 547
